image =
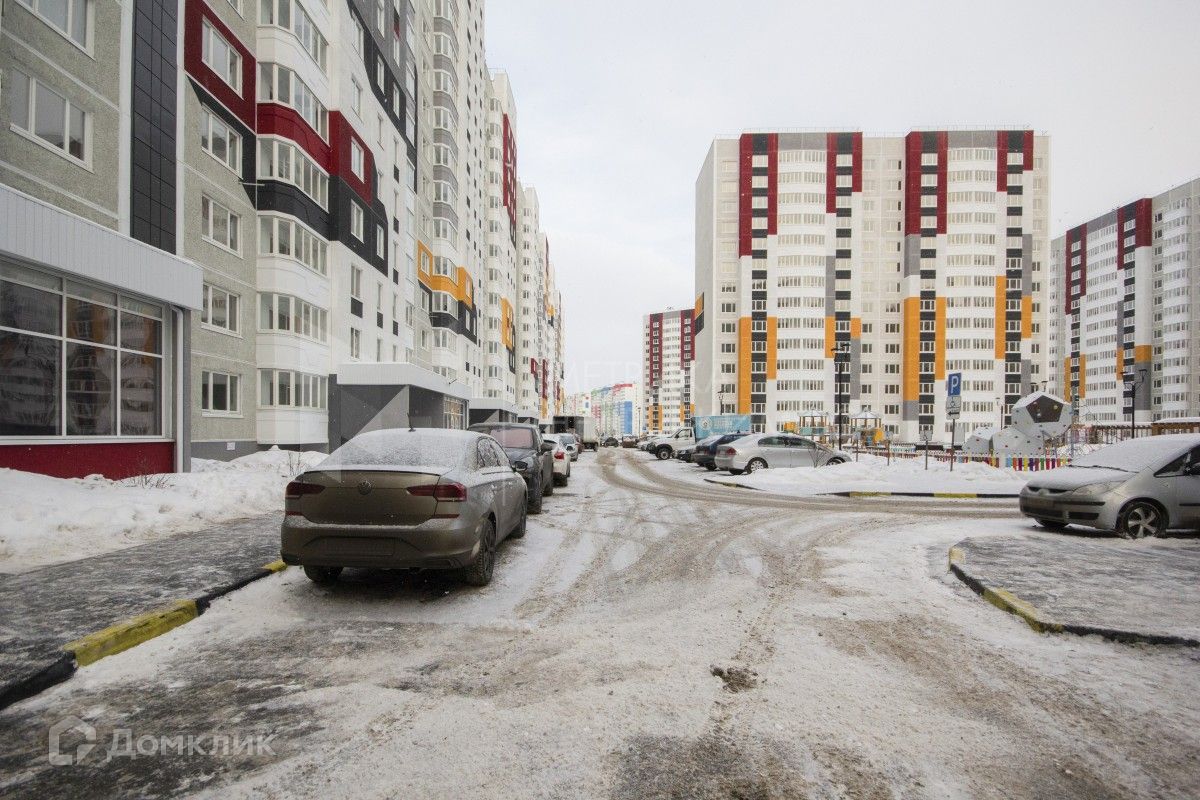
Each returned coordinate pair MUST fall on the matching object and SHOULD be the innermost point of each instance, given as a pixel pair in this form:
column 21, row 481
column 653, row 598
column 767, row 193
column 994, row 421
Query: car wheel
column 663, row 453
column 322, row 576
column 519, row 531
column 755, row 465
column 479, row 572
column 711, row 467
column 1052, row 524
column 534, row 499
column 736, row 471
column 1140, row 519
column 833, row 461
column 560, row 480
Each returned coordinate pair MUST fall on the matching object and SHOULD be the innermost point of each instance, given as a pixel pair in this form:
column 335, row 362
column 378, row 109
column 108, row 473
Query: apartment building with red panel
column 668, row 349
column 842, row 276
column 1123, row 326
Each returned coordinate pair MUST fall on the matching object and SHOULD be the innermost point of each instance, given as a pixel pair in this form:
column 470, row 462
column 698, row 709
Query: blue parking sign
column 954, row 384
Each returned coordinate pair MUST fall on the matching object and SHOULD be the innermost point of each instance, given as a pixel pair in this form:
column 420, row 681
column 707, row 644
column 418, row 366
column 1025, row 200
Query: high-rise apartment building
column 1123, row 299
column 617, row 409
column 843, row 274
column 315, row 205
column 668, row 348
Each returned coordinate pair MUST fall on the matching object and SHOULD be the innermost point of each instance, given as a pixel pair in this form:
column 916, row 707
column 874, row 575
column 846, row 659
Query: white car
column 761, row 450
column 562, row 457
column 664, row 447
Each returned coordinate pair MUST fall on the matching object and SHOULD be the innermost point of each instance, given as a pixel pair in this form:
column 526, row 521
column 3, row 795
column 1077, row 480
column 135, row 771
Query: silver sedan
column 1139, row 487
column 761, row 450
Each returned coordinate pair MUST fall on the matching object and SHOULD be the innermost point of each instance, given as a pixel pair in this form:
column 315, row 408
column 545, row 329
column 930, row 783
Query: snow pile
column 51, row 520
column 874, row 474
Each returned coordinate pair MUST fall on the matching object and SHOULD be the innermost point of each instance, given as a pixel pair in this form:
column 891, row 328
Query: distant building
column 668, row 347
column 1125, row 306
column 617, row 409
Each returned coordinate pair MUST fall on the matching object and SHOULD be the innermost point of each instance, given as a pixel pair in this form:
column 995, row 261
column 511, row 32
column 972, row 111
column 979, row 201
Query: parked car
column 684, row 454
column 573, row 444
column 530, row 455
column 761, row 450
column 663, row 447
column 704, row 455
column 562, row 457
column 609, row 441
column 1136, row 488
column 629, row 441
column 404, row 498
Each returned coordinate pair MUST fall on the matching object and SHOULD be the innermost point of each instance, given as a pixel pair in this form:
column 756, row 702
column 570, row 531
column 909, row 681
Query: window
column 290, row 16
column 69, row 16
column 77, row 360
column 284, row 161
column 220, row 57
column 357, row 161
column 355, row 342
column 355, row 99
column 220, row 393
column 380, row 242
column 283, row 236
column 281, row 388
column 286, row 314
column 218, row 224
column 45, row 114
column 220, row 309
column 220, row 141
column 279, row 84
column 356, row 221
column 359, row 34
column 356, row 282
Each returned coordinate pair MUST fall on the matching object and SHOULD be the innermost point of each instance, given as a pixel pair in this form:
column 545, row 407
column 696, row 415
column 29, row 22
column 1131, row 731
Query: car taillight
column 440, row 491
column 729, row 451
column 560, row 455
column 296, row 489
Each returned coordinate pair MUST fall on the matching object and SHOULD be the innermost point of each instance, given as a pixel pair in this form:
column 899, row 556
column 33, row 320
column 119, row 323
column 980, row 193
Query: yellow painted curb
column 1007, row 601
column 955, row 495
column 870, row 494
column 275, row 566
column 131, row 632
column 956, row 555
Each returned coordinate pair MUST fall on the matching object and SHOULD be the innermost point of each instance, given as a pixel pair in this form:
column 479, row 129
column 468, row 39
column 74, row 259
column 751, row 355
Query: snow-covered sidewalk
column 874, row 474
column 50, row 520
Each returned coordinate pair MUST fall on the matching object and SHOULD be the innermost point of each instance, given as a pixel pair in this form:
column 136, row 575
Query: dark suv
column 705, row 452
column 531, row 456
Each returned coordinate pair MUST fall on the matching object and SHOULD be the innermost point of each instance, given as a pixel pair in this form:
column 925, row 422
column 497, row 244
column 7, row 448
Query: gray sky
column 617, row 104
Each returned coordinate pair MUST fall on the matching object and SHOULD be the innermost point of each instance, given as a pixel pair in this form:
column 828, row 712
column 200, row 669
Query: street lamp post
column 1132, row 383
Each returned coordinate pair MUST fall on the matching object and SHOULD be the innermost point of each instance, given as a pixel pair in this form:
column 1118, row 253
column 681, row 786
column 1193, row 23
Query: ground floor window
column 283, row 388
column 455, row 413
column 76, row 360
column 220, row 392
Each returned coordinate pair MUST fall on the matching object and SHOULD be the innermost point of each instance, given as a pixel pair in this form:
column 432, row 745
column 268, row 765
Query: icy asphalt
column 652, row 636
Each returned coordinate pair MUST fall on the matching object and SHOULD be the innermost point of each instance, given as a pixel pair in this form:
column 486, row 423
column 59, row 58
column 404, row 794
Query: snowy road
column 853, row 667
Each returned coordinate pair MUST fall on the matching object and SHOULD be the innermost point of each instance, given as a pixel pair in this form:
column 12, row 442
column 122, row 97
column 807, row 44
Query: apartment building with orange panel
column 668, row 348
column 1122, row 292
column 844, row 275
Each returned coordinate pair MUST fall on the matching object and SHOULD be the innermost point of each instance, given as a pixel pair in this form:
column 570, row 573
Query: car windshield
column 519, row 438
column 1133, row 455
column 434, row 449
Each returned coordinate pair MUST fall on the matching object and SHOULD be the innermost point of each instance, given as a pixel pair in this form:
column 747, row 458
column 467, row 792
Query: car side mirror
column 547, row 447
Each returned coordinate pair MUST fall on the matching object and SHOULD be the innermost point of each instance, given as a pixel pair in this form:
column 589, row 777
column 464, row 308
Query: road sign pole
column 953, row 430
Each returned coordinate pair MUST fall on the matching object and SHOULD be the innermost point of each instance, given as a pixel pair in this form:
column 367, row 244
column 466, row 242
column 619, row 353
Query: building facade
column 617, row 409
column 668, row 350
column 1123, row 325
column 96, row 305
column 841, row 275
column 341, row 181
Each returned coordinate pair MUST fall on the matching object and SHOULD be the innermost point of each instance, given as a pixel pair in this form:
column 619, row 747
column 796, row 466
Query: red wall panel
column 745, row 196
column 195, row 12
column 113, row 460
column 912, row 183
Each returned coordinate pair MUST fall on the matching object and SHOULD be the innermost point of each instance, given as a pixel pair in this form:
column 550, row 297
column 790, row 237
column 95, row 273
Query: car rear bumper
column 436, row 544
column 701, row 459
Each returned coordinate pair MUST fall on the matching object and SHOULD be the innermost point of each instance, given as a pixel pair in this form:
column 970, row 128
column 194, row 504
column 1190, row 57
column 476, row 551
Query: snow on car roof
column 1136, row 455
column 442, row 449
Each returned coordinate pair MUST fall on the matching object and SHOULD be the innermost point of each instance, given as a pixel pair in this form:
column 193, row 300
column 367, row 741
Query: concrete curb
column 1007, row 601
column 938, row 495
column 122, row 636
